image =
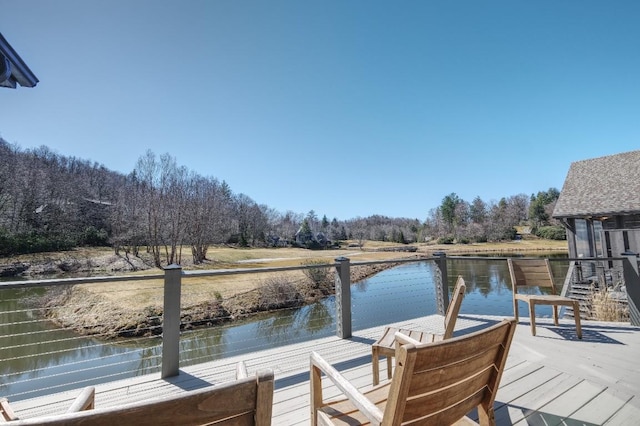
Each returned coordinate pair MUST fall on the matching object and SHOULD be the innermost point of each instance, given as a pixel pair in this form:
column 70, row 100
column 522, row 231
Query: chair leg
column 576, row 316
column 374, row 364
column 515, row 309
column 486, row 416
column 315, row 379
column 555, row 315
column 389, row 366
column 532, row 316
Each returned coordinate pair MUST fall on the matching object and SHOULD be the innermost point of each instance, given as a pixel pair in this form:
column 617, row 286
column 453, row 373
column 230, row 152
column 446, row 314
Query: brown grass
column 136, row 295
column 605, row 307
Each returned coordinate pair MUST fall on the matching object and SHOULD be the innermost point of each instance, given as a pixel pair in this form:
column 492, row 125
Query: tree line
column 50, row 202
column 457, row 220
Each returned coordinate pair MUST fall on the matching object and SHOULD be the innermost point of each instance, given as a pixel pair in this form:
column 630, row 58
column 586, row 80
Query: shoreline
column 85, row 312
column 103, row 261
column 117, row 310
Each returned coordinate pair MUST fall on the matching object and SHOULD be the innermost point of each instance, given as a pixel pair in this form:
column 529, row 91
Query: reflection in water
column 298, row 324
column 489, row 286
column 38, row 358
column 29, row 367
column 260, row 332
column 396, row 294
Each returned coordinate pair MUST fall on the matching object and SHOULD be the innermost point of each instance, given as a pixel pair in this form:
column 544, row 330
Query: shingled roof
column 601, row 186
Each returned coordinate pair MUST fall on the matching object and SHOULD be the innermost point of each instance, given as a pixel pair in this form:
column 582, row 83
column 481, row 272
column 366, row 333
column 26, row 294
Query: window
column 597, row 238
column 583, row 248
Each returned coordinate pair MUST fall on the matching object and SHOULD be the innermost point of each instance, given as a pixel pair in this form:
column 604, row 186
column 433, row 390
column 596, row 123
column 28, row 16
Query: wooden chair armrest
column 241, row 370
column 6, row 412
column 367, row 407
column 84, row 401
column 403, row 339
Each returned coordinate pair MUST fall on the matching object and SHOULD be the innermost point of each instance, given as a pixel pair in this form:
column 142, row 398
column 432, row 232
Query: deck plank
column 602, row 407
column 551, row 378
column 565, row 405
column 626, row 415
column 528, row 403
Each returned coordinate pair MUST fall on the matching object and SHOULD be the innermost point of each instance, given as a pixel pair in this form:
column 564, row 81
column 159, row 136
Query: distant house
column 307, row 238
column 13, row 70
column 600, row 206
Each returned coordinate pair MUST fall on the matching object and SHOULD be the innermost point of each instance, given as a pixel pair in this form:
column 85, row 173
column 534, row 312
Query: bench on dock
column 245, row 401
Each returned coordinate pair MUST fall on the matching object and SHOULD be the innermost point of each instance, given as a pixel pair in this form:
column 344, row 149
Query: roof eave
column 594, row 215
column 20, row 72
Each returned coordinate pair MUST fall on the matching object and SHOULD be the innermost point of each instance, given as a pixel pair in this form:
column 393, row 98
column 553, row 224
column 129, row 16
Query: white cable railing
column 65, row 333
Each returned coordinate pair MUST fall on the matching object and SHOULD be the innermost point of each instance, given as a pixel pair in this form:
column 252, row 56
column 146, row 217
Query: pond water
column 29, row 369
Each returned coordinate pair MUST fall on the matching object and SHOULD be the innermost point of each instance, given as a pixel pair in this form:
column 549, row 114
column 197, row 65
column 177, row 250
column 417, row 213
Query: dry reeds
column 605, row 304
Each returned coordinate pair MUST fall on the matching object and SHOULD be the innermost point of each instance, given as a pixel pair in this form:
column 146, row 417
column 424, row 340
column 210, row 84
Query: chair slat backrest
column 439, row 383
column 531, row 272
column 454, row 308
column 246, row 401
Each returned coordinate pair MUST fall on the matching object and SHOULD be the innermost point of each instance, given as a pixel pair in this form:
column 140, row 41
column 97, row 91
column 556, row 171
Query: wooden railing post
column 171, row 321
column 632, row 284
column 343, row 298
column 442, row 283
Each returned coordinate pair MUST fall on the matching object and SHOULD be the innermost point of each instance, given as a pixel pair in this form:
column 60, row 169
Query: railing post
column 171, row 321
column 632, row 284
column 442, row 283
column 343, row 298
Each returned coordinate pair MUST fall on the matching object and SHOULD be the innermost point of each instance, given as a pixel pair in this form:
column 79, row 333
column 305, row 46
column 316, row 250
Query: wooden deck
column 550, row 379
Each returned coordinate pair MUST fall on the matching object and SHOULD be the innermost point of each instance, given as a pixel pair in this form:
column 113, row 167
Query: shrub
column 278, row 292
column 445, row 240
column 313, row 245
column 551, row 232
column 320, row 278
column 93, row 237
column 509, row 233
column 34, row 242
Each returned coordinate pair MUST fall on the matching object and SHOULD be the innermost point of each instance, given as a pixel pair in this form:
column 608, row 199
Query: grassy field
column 103, row 261
column 372, row 250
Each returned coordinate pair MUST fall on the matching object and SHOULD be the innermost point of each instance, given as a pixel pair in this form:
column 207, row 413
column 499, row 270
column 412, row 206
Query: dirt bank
column 90, row 312
column 80, row 262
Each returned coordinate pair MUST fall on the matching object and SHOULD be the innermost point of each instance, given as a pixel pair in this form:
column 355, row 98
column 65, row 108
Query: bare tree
column 290, row 224
column 127, row 217
column 207, row 216
column 174, row 185
column 152, row 191
column 7, row 180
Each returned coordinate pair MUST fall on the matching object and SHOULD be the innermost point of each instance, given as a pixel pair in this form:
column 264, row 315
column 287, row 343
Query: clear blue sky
column 349, row 108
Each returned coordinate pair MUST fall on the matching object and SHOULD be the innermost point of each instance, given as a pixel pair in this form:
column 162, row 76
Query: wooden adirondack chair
column 245, row 401
column 386, row 345
column 537, row 273
column 434, row 383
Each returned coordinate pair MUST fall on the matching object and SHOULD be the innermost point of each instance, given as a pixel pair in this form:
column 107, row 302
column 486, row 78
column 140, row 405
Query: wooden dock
column 551, row 379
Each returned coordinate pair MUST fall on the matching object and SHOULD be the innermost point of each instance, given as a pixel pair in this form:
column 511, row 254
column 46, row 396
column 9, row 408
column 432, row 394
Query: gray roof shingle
column 601, row 186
